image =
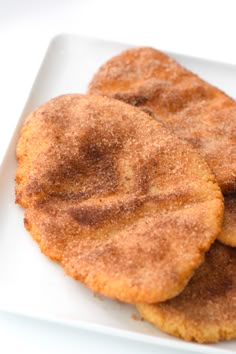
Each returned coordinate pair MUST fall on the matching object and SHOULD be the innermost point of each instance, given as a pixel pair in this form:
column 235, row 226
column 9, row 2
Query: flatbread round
column 190, row 107
column 206, row 310
column 120, row 201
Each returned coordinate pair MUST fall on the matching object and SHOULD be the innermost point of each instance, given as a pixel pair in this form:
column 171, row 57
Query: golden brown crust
column 120, row 201
column 206, row 310
column 228, row 232
column 190, row 107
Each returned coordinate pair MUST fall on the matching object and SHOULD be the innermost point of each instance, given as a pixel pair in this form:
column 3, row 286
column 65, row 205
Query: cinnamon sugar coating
column 206, row 309
column 190, row 107
column 228, row 232
column 127, row 208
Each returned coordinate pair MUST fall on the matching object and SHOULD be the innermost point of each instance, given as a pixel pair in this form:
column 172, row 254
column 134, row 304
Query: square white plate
column 33, row 285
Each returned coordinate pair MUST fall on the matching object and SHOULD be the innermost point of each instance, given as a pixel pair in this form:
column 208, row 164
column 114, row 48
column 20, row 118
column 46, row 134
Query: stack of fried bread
column 137, row 199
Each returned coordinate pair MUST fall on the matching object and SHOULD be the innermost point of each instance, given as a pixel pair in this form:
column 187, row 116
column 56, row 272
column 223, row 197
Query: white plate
column 30, row 283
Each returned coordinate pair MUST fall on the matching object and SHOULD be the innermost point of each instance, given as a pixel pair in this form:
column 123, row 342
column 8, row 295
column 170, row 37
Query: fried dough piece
column 190, row 107
column 206, row 310
column 228, row 232
column 119, row 200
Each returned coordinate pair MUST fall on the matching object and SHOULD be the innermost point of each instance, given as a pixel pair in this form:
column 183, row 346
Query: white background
column 203, row 28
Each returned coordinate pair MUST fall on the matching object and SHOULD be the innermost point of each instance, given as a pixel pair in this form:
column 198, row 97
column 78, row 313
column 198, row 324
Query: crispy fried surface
column 228, row 232
column 190, row 107
column 120, row 201
column 206, row 310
